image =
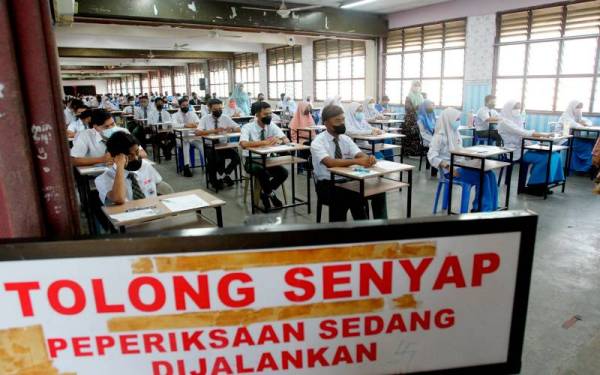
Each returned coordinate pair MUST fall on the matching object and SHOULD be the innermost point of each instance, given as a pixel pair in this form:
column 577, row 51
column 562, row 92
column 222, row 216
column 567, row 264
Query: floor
column 566, row 273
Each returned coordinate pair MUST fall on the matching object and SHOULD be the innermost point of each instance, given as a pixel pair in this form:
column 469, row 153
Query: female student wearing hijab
column 426, row 120
column 232, row 110
column 356, row 123
column 410, row 128
column 512, row 131
column 241, row 98
column 302, row 119
column 581, row 160
column 369, row 109
column 446, row 139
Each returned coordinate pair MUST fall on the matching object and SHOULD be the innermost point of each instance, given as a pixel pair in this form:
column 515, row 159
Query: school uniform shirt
column 147, row 178
column 438, row 150
column 512, row 132
column 77, row 126
column 251, row 133
column 139, row 113
column 483, row 114
column 224, row 122
column 69, row 116
column 323, row 147
column 153, row 117
column 90, row 144
column 180, row 118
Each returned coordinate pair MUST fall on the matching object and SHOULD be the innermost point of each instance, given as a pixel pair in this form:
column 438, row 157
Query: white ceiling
column 378, row 6
column 86, row 61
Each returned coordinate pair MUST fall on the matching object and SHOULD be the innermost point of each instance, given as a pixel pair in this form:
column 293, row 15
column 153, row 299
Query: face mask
column 339, row 129
column 217, row 113
column 184, row 109
column 516, row 113
column 106, row 133
column 371, row 105
column 134, row 165
column 266, row 120
column 159, row 107
column 359, row 116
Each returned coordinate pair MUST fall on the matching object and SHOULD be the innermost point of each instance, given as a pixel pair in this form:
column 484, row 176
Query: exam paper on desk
column 185, row 202
column 133, row 215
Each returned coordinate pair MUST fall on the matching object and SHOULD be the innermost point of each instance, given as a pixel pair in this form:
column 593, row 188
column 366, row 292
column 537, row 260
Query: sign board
column 437, row 295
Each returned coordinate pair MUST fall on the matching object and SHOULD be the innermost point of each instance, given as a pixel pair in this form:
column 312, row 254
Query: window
column 433, row 54
column 247, row 72
column 285, row 71
column 548, row 56
column 339, row 69
column 165, row 80
column 127, row 86
column 180, row 80
column 145, row 84
column 136, row 85
column 196, row 74
column 219, row 77
column 154, row 83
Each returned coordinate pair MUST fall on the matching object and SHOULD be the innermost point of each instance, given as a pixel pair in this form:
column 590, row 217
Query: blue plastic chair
column 465, row 196
column 180, row 163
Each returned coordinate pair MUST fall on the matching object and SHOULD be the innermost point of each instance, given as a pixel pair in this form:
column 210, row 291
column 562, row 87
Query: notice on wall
column 360, row 308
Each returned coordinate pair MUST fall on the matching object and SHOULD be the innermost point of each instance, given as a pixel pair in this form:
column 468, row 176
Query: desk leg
column 522, row 171
column 569, row 155
column 373, row 148
column 548, row 170
column 205, row 161
column 219, row 216
column 409, row 195
column 481, row 182
column 308, row 177
column 264, row 162
column 251, row 182
column 361, row 190
column 331, row 193
column 122, row 229
column 293, row 168
column 508, row 180
column 450, row 181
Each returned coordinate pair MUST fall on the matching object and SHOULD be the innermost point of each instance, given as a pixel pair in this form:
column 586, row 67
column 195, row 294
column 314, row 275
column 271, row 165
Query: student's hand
column 108, row 160
column 198, row 133
column 377, row 131
column 219, row 130
column 444, row 165
column 270, row 141
column 285, row 141
column 372, row 160
column 121, row 161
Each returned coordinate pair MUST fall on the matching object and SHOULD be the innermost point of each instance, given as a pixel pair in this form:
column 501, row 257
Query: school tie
column 145, row 113
column 216, row 123
column 338, row 150
column 262, row 135
column 160, row 117
column 135, row 187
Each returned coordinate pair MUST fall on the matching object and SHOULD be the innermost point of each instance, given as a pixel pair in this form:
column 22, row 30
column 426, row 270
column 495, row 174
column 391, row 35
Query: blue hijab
column 427, row 119
column 241, row 98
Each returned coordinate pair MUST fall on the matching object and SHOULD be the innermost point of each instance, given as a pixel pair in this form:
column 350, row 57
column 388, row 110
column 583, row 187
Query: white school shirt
column 438, row 150
column 251, row 133
column 224, row 122
column 138, row 112
column 88, row 144
column 164, row 114
column 180, row 118
column 147, row 177
column 323, row 147
column 512, row 134
column 69, row 116
column 483, row 114
column 77, row 126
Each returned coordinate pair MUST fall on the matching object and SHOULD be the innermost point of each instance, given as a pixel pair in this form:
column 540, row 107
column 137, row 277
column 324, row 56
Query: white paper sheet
column 386, row 165
column 184, row 203
column 133, row 215
column 93, row 170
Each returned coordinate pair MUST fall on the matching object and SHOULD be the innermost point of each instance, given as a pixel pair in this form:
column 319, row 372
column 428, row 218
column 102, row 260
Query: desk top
column 489, row 164
column 539, row 147
column 158, row 207
column 386, row 121
column 265, row 150
column 594, row 128
column 242, row 118
column 313, row 127
column 371, row 137
column 392, row 114
column 482, row 151
column 382, row 168
column 97, row 170
column 373, row 186
column 553, row 138
column 215, row 137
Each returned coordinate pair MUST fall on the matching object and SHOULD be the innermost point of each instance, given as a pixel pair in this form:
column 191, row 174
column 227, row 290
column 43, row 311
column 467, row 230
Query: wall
column 101, row 85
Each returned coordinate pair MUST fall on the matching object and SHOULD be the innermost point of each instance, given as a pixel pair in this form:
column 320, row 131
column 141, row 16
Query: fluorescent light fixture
column 357, row 3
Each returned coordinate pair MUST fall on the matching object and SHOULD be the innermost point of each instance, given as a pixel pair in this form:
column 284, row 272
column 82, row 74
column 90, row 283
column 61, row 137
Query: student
column 384, row 105
column 302, row 119
column 369, row 110
column 512, row 131
column 89, row 148
column 69, row 111
column 282, row 104
column 159, row 115
column 232, row 109
column 186, row 118
column 581, row 159
column 446, row 139
column 333, row 148
column 84, row 117
column 107, row 105
column 259, row 99
column 334, row 100
column 143, row 111
column 426, row 120
column 130, row 177
column 410, row 129
column 356, row 122
column 241, row 99
column 262, row 132
column 219, row 123
column 486, row 115
column 195, row 100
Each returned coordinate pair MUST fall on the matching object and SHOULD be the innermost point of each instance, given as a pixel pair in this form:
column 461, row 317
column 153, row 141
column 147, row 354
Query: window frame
column 196, row 72
column 246, row 62
column 218, row 66
column 285, row 81
column 179, row 72
column 421, row 51
column 594, row 75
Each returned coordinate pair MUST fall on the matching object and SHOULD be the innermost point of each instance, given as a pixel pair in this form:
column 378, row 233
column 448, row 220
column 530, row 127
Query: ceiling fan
column 284, row 11
column 181, row 47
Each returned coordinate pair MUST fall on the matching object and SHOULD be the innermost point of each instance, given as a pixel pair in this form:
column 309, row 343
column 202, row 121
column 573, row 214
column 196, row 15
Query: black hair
column 144, row 97
column 282, row 94
column 158, row 98
column 259, row 106
column 181, row 101
column 330, row 111
column 489, row 97
column 120, row 143
column 213, row 102
column 85, row 114
column 76, row 104
column 99, row 116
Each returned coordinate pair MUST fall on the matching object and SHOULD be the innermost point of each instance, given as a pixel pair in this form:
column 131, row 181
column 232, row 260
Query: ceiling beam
column 221, row 14
column 140, row 54
column 95, row 68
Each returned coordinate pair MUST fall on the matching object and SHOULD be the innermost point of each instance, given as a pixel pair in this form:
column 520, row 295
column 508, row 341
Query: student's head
column 415, row 86
column 282, row 95
column 429, row 106
column 194, row 95
column 260, row 97
column 128, row 145
column 86, row 116
column 490, row 101
column 385, row 100
column 76, row 104
column 214, row 95
column 159, row 103
column 215, row 106
column 371, row 101
column 103, row 122
column 263, row 113
column 308, row 99
column 231, row 103
column 144, row 101
column 184, row 105
column 334, row 119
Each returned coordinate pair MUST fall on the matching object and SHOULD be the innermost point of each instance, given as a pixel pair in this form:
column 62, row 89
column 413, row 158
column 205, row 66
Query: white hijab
column 570, row 115
column 352, row 124
column 507, row 114
column 369, row 112
column 443, row 125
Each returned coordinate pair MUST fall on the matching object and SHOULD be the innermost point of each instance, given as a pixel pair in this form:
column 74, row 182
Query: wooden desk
column 386, row 122
column 160, row 209
column 212, row 143
column 292, row 160
column 379, row 139
column 576, row 131
column 479, row 161
column 316, row 128
column 392, row 114
column 374, row 182
column 546, row 144
column 172, row 110
column 242, row 119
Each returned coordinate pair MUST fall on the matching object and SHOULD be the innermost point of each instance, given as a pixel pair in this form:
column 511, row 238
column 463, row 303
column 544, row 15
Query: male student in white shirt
column 130, row 177
column 186, row 118
column 84, row 117
column 333, row 148
column 159, row 115
column 263, row 132
column 486, row 115
column 218, row 123
column 69, row 111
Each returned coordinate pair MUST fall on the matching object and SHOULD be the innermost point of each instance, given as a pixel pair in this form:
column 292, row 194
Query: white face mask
column 516, row 112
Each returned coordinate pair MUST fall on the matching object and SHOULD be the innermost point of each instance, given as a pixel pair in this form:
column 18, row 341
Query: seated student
column 262, row 132
column 581, row 160
column 384, row 105
column 281, row 104
column 232, row 109
column 129, row 105
column 302, row 119
column 596, row 164
column 159, row 115
column 89, row 148
column 369, row 110
column 356, row 124
column 143, row 111
column 186, row 118
column 446, row 138
column 333, row 148
column 486, row 115
column 107, row 105
column 69, row 111
column 195, row 100
column 130, row 177
column 83, row 122
column 259, row 99
column 426, row 120
column 219, row 123
column 512, row 130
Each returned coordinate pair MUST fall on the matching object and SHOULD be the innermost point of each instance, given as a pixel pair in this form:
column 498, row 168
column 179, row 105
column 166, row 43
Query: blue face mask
column 359, row 116
column 108, row 132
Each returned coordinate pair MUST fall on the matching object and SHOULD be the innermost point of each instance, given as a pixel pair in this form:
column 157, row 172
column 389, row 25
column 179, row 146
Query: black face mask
column 184, row 109
column 159, row 107
column 339, row 129
column 134, row 165
column 217, row 113
column 266, row 120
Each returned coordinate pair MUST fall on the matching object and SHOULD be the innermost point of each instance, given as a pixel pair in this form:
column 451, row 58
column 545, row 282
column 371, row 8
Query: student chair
column 179, row 157
column 257, row 188
column 465, row 196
